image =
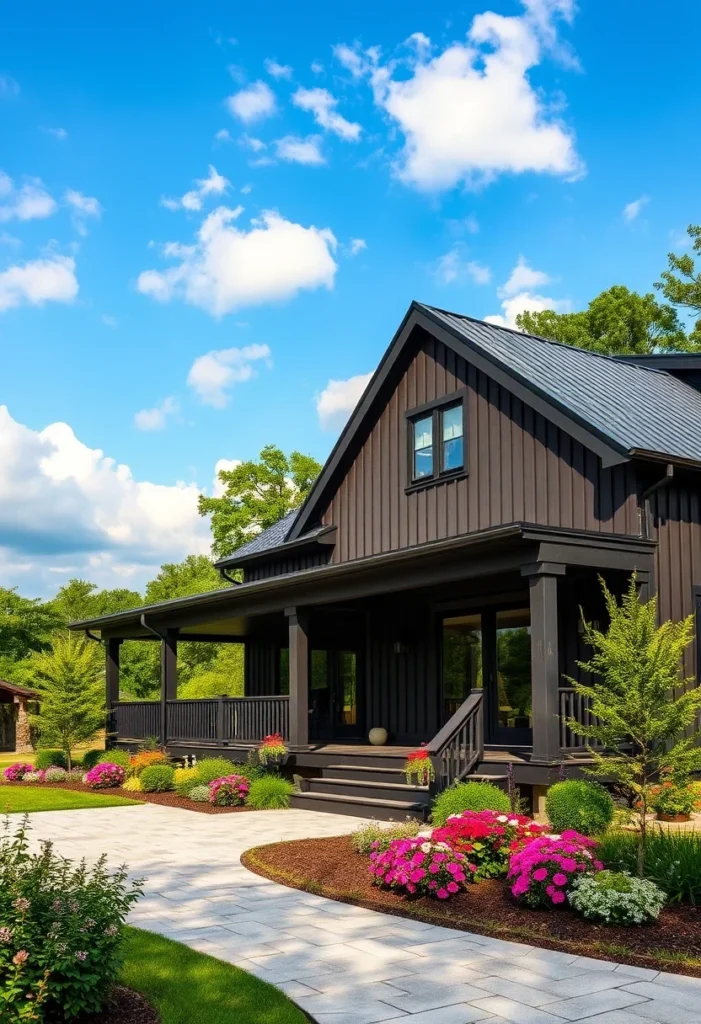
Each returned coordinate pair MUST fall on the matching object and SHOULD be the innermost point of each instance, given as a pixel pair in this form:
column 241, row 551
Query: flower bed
column 543, row 871
column 488, row 839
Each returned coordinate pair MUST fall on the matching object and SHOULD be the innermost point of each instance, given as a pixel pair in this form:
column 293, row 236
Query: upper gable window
column 436, row 441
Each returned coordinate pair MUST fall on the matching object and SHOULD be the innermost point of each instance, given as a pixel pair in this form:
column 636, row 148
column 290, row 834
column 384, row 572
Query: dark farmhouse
column 430, row 585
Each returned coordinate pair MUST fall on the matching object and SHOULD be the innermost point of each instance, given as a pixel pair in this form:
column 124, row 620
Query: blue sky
column 209, row 213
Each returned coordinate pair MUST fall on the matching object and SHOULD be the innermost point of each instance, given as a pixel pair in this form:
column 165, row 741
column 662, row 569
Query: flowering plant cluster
column 105, row 776
column 55, row 774
column 36, row 775
column 60, row 932
column 229, row 791
column 16, row 772
column 543, row 872
column 616, row 898
column 421, row 867
column 145, row 758
column 672, row 799
column 488, row 838
column 418, row 764
column 272, row 748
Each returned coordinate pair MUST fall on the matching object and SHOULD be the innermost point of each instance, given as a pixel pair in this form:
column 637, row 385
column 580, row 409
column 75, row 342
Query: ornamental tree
column 643, row 708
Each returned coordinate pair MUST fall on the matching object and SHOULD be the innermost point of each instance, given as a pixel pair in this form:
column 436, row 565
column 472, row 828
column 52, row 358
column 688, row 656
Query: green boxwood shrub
column 92, row 757
column 211, row 768
column 157, row 778
column 469, row 796
column 50, row 759
column 268, row 792
column 584, row 806
column 120, row 757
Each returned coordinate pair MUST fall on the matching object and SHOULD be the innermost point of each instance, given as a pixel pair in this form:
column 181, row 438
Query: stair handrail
column 440, row 745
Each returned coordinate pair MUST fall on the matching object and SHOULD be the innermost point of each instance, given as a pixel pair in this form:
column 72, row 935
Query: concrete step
column 363, row 773
column 363, row 807
column 373, row 790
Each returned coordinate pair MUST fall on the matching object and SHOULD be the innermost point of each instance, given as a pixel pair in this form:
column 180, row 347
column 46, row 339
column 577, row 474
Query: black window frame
column 435, row 409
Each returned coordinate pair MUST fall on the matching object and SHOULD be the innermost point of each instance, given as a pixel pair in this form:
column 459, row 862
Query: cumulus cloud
column 522, row 278
column 229, row 267
column 453, row 267
column 30, row 201
column 300, row 151
column 253, row 103
column 214, row 184
column 517, row 296
column 357, row 245
column 38, row 281
column 471, row 112
column 276, row 70
column 632, row 210
column 322, row 105
column 156, row 418
column 213, row 375
column 338, row 400
column 63, row 504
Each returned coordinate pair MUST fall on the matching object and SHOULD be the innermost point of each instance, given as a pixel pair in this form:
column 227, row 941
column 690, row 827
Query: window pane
column 423, row 433
column 452, row 455
column 452, row 423
column 423, row 463
column 514, row 667
column 462, row 660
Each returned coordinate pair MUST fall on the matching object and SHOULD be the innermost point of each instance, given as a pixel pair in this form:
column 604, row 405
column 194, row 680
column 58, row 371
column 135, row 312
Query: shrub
column 184, row 779
column 488, row 839
column 251, row 768
column 146, row 758
column 374, row 836
column 133, row 785
column 229, row 791
column 120, row 757
column 49, row 759
column 585, row 807
column 542, row 873
column 16, row 772
column 469, row 796
column 420, row 867
column 92, row 757
column 60, row 932
column 672, row 800
column 56, row 775
column 34, row 776
column 200, row 794
column 672, row 860
column 211, row 768
column 616, row 898
column 105, row 776
column 270, row 792
column 157, row 778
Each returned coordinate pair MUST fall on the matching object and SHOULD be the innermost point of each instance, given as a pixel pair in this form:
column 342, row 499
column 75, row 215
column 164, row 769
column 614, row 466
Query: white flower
column 502, row 818
column 426, row 847
column 513, row 821
column 553, row 836
column 423, row 835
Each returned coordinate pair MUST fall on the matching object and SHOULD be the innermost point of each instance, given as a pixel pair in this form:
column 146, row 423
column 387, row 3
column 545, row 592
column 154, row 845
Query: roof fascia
column 325, row 538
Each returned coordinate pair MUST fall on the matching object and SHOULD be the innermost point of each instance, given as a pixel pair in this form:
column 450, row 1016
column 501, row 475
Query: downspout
column 659, row 485
column 91, row 636
column 230, row 579
column 144, row 623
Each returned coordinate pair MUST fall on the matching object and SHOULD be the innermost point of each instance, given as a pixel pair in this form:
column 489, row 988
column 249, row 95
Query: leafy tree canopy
column 681, row 282
column 195, row 575
column 616, row 322
column 79, row 599
column 257, row 495
column 25, row 625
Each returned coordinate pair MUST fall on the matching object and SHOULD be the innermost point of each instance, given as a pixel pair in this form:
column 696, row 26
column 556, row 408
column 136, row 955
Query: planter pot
column 378, row 737
column 673, row 817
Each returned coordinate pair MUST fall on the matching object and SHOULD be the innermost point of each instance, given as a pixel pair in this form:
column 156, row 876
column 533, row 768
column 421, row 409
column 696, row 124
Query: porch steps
column 373, row 790
column 360, row 805
column 370, row 787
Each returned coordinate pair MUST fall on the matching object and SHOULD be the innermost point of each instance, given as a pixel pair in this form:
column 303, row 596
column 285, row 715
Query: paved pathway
column 346, row 965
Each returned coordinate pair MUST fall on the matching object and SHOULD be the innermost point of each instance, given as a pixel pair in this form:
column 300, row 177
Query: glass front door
column 333, row 695
column 513, row 676
column 462, row 660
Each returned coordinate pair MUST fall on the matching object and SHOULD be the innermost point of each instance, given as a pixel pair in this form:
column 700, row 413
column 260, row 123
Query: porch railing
column 575, row 706
column 457, row 748
column 217, row 721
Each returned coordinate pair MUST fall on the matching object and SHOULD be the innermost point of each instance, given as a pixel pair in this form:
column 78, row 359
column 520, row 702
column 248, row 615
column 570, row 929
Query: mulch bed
column 166, row 799
column 124, row 1006
column 332, row 868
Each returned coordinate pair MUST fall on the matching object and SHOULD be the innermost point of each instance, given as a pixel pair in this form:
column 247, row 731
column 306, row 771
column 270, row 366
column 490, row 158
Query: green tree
column 25, row 625
column 616, row 322
column 196, row 575
column 257, row 495
column 642, row 705
column 80, row 599
column 681, row 282
column 69, row 681
column 222, row 676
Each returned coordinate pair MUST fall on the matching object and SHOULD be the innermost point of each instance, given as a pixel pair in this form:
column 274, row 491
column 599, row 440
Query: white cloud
column 58, row 133
column 222, row 465
column 8, row 239
column 452, row 267
column 278, row 70
column 522, row 279
column 322, row 105
column 30, row 201
column 109, row 321
column 223, row 136
column 9, row 88
column 357, row 245
column 230, row 267
column 254, row 103
column 38, row 281
column 63, row 504
column 316, row 67
column 156, row 418
column 338, row 400
column 517, row 296
column 350, row 59
column 252, row 143
column 632, row 210
column 300, row 151
column 470, row 112
column 213, row 184
column 215, row 373
column 82, row 207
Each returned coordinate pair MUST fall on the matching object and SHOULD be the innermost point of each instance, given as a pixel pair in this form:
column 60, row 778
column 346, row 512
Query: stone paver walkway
column 342, row 964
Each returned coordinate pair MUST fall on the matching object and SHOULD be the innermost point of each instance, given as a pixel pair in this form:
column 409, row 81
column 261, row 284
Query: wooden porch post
column 169, row 677
column 545, row 659
column 299, row 677
column 112, row 671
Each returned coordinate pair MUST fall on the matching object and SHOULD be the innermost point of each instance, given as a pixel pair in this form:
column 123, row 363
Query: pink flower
column 452, row 887
column 417, row 875
column 433, row 885
column 434, row 868
column 558, row 897
column 442, row 894
column 540, row 874
column 559, row 879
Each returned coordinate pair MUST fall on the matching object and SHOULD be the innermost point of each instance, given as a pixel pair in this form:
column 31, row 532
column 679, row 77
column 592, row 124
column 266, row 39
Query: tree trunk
column 642, row 836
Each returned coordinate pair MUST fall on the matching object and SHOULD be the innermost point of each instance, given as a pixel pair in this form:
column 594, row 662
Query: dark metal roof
column 637, row 407
column 274, row 540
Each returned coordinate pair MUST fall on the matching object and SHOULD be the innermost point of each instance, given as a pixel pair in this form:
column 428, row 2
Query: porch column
column 545, row 659
column 299, row 677
column 169, row 677
column 112, row 671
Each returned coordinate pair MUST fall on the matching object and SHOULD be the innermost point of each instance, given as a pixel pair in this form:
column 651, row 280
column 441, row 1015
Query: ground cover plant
column 469, row 796
column 577, row 804
column 616, row 897
column 672, row 860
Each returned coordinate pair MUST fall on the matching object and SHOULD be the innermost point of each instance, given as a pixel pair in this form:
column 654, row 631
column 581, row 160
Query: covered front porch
column 462, row 645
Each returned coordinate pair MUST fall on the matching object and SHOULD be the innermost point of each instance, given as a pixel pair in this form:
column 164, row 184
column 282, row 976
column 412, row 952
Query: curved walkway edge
column 344, row 964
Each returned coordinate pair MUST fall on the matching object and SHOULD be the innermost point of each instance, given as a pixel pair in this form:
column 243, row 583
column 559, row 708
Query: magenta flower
column 558, row 896
column 559, row 879
column 540, row 874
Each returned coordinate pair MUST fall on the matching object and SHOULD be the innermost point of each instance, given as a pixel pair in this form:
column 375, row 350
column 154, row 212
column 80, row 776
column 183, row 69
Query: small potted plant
column 673, row 801
column 272, row 750
column 418, row 768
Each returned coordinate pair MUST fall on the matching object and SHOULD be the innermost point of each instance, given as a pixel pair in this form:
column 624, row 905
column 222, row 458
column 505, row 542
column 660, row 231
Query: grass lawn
column 8, row 759
column 190, row 988
column 20, row 799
